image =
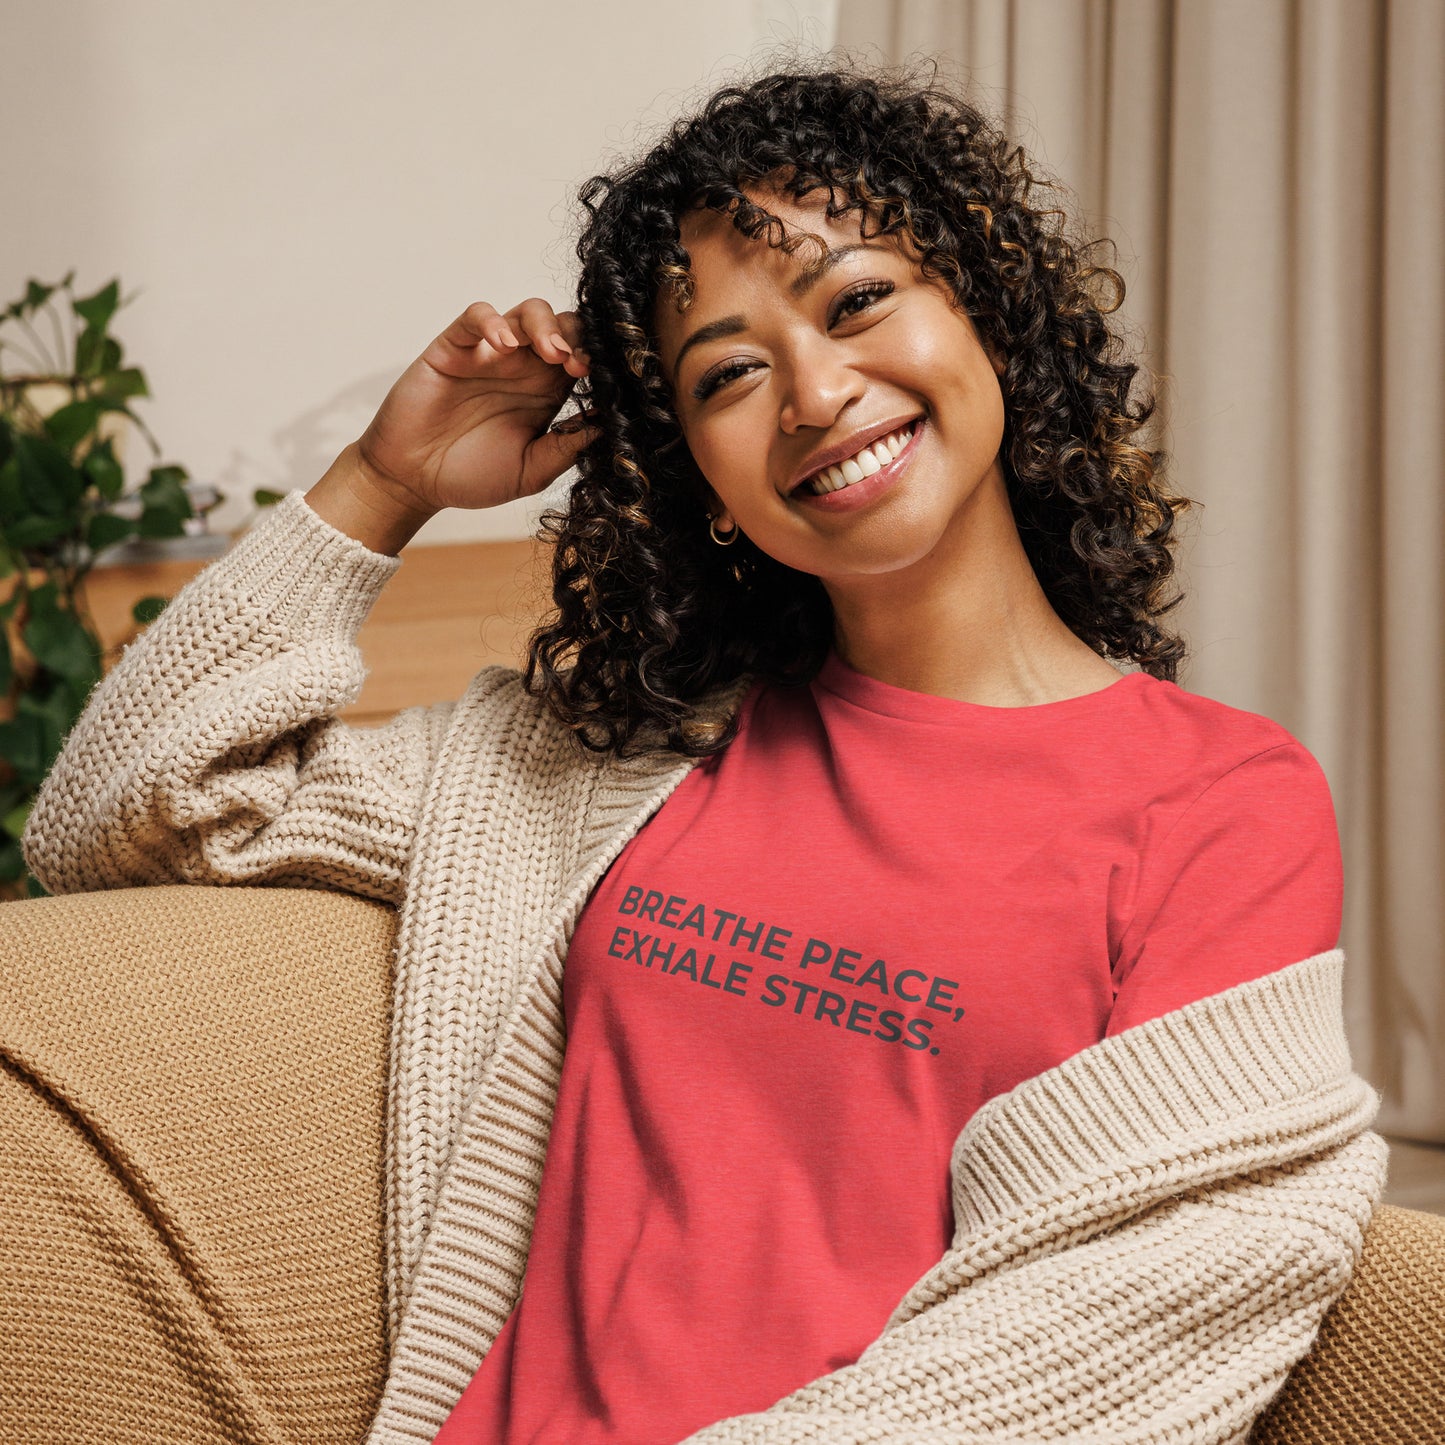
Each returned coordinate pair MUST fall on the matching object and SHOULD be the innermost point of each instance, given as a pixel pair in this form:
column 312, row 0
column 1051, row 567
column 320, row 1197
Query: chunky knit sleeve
column 210, row 752
column 1148, row 1238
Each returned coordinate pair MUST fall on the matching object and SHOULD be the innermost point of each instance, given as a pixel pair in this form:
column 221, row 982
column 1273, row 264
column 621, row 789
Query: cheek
column 729, row 457
column 963, row 383
column 950, row 354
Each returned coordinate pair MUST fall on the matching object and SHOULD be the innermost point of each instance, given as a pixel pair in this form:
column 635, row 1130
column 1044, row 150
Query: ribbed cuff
column 1261, row 1045
column 319, row 577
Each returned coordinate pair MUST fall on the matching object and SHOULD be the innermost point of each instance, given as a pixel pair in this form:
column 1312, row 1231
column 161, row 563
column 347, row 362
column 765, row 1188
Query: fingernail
column 508, row 337
column 559, row 342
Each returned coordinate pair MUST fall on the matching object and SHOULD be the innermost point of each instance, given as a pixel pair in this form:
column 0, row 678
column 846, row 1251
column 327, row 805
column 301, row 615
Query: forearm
column 355, row 501
column 211, row 752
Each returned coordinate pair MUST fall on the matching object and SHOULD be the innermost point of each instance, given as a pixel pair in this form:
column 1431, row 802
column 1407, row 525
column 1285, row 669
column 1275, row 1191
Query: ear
column 716, row 509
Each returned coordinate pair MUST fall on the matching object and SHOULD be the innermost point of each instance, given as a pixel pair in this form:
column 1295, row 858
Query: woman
column 950, row 1021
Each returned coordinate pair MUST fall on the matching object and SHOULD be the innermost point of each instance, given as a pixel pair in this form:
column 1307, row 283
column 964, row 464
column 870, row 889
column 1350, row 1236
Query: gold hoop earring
column 727, row 539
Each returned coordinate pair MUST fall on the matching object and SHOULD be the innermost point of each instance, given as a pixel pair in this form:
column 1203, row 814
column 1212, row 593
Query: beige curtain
column 1273, row 172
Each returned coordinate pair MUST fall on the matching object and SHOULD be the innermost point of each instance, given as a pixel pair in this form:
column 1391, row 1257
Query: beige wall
column 302, row 195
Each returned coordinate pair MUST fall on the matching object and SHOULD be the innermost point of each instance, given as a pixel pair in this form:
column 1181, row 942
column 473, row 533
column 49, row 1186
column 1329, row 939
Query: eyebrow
column 798, row 288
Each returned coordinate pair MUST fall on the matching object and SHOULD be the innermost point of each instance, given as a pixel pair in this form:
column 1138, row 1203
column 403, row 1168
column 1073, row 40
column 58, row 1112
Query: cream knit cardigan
column 1148, row 1235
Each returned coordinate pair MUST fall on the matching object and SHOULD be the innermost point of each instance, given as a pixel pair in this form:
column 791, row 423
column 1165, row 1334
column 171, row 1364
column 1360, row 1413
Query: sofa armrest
column 1376, row 1371
column 192, row 1111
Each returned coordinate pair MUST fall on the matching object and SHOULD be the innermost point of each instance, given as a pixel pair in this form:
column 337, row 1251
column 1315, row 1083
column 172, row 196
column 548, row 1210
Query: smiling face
column 768, row 371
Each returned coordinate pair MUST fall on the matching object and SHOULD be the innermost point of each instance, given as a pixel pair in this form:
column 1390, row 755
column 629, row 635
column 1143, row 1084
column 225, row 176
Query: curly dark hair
column 650, row 615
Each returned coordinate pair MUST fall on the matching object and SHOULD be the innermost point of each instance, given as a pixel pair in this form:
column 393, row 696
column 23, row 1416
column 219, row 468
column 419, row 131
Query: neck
column 969, row 620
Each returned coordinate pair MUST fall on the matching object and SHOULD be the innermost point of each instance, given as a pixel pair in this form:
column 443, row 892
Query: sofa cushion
column 191, row 1144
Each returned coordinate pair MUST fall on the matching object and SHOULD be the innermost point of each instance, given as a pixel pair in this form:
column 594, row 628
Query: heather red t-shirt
column 876, row 910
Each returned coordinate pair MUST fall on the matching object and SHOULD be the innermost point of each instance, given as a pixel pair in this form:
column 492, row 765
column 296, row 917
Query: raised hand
column 469, row 422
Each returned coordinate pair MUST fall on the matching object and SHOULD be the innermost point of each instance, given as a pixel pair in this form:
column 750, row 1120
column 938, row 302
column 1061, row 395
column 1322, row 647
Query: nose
column 820, row 382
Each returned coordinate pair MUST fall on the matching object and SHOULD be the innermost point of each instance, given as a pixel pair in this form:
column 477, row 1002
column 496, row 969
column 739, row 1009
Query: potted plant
column 64, row 411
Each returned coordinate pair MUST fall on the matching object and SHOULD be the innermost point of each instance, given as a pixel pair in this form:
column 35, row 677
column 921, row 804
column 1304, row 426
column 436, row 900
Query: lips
column 879, row 456
column 848, row 447
column 861, row 495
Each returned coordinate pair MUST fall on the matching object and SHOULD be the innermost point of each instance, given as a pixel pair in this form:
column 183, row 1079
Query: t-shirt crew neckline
column 837, row 677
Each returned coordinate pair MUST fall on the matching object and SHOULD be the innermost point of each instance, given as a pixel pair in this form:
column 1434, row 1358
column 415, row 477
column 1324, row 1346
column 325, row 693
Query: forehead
column 704, row 230
column 717, row 247
column 726, row 265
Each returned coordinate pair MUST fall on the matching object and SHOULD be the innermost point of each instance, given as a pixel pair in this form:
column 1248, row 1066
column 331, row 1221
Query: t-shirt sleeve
column 1249, row 880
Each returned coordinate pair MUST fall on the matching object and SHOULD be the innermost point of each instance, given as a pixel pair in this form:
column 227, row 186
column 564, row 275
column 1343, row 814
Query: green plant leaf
column 96, row 310
column 54, row 708
column 70, row 698
column 161, row 522
column 45, row 596
column 35, row 530
column 22, row 745
column 148, row 609
column 51, row 484
column 32, row 742
column 166, row 482
column 12, row 794
column 128, row 382
column 60, row 642
column 105, row 529
column 66, row 426
column 36, row 295
column 102, row 468
column 12, row 494
column 13, row 822
column 90, row 352
column 7, row 665
column 263, row 497
column 167, row 506
column 96, row 354
column 12, row 861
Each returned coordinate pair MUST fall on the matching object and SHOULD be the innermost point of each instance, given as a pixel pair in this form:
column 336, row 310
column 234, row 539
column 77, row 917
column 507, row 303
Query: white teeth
column 872, row 458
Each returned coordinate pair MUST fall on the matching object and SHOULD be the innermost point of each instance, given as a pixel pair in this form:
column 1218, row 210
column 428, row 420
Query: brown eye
column 870, row 291
column 715, row 379
column 867, row 293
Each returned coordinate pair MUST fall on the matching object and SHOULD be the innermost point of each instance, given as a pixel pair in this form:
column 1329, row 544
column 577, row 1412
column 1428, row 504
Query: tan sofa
column 191, row 1167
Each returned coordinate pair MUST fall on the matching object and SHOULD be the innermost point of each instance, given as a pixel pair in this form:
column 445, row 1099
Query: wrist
column 360, row 501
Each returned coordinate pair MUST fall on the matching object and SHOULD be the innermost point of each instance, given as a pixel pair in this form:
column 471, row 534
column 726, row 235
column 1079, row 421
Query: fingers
column 555, row 337
column 556, row 450
column 480, row 322
column 482, row 333
column 570, row 325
